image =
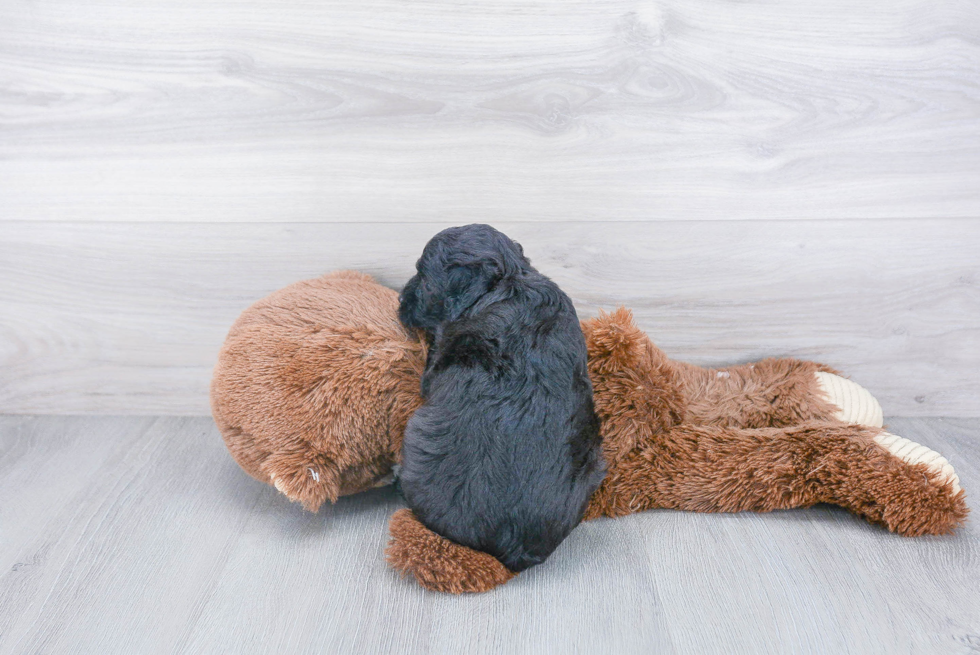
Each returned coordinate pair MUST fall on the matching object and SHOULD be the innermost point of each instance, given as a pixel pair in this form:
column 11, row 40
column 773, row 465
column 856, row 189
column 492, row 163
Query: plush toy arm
column 304, row 476
column 773, row 393
column 887, row 480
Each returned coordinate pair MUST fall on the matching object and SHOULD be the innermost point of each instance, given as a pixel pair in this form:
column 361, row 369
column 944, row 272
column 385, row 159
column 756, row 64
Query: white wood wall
column 753, row 178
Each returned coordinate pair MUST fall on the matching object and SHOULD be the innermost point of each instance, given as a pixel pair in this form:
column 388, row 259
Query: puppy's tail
column 437, row 563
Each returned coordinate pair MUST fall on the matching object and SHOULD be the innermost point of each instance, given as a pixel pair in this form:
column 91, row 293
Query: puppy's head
column 457, row 267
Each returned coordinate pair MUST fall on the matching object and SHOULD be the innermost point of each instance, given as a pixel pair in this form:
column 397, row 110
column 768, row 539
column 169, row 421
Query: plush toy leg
column 913, row 453
column 774, row 393
column 855, row 403
column 905, row 487
column 437, row 563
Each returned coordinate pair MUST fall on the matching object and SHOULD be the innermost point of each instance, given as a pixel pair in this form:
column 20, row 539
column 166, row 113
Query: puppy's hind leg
column 437, row 563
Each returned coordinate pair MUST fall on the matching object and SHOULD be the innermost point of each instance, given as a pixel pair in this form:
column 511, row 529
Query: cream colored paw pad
column 913, row 453
column 855, row 403
column 280, row 485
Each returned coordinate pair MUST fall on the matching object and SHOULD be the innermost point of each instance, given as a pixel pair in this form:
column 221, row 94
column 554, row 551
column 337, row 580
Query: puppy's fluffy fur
column 504, row 453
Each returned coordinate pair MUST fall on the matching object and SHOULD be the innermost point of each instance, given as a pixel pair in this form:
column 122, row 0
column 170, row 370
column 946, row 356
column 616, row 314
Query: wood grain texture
column 128, row 318
column 167, row 110
column 141, row 535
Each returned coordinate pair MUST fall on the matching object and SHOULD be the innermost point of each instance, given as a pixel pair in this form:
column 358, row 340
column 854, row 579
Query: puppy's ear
column 418, row 307
column 476, row 270
column 408, row 301
column 425, row 302
column 467, row 283
column 457, row 267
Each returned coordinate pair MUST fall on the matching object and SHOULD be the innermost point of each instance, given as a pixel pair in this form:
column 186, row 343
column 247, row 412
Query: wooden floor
column 141, row 535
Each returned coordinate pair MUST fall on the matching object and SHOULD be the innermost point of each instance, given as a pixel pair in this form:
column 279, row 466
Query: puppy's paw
column 855, row 404
column 913, row 453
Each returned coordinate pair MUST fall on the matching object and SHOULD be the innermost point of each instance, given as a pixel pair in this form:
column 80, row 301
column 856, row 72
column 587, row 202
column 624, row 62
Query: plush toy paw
column 308, row 484
column 308, row 497
column 913, row 453
column 855, row 403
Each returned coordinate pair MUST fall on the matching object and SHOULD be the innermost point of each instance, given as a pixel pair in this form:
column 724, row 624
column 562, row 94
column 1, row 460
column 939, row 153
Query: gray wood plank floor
column 141, row 535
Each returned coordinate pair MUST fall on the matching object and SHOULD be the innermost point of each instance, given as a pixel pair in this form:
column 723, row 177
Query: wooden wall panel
column 164, row 163
column 128, row 317
column 587, row 110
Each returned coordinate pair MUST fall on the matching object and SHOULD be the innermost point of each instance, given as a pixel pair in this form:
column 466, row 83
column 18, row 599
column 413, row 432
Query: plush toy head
column 314, row 386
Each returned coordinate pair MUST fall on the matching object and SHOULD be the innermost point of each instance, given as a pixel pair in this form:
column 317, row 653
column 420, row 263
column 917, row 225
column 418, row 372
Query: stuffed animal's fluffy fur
column 315, row 384
column 504, row 453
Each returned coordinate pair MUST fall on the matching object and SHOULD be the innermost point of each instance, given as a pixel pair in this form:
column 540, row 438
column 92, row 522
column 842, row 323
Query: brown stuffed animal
column 315, row 383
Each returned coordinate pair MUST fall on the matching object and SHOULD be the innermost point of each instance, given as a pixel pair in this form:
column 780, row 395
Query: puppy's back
column 504, row 454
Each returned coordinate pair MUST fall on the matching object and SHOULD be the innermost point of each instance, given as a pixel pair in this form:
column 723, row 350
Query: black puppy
column 504, row 454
